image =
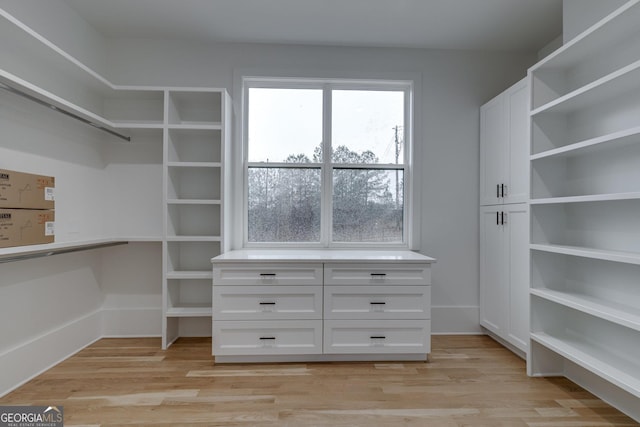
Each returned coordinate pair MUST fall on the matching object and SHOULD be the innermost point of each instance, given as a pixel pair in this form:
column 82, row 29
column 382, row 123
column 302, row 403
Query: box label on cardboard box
column 49, row 193
column 49, row 228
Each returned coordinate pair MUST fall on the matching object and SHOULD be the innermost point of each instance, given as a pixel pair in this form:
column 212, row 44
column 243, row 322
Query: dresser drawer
column 377, row 274
column 248, row 338
column 267, row 302
column 377, row 302
column 268, row 274
column 377, row 336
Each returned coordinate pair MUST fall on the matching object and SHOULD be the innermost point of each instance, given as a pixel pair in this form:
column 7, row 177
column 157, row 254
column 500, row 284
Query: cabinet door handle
column 378, row 337
column 268, row 338
column 503, row 189
column 267, row 274
column 503, row 216
column 497, row 218
column 498, row 190
column 267, row 303
column 377, row 303
column 378, row 274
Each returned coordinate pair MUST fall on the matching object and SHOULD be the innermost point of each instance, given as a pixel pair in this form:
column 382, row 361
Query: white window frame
column 407, row 84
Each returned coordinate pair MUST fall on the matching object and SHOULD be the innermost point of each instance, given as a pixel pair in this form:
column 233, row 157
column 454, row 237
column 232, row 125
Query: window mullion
column 327, row 181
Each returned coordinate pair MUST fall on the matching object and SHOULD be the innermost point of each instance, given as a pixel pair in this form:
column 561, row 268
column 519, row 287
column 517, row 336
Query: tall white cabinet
column 196, row 151
column 504, row 217
column 585, row 211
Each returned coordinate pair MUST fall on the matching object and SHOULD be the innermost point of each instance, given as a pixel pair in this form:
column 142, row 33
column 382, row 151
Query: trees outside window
column 354, row 193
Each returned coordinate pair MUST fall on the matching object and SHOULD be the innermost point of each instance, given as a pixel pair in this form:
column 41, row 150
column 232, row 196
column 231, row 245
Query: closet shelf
column 604, row 364
column 25, row 89
column 189, row 311
column 587, row 198
column 616, row 84
column 193, row 201
column 193, row 238
column 195, row 126
column 194, row 164
column 613, row 312
column 621, row 138
column 606, row 255
column 608, row 32
column 193, row 275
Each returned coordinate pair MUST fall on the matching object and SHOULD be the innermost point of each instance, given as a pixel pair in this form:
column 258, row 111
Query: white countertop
column 322, row 255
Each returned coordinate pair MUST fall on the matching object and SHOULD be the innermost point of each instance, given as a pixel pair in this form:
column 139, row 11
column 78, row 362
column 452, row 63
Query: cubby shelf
column 194, row 164
column 193, row 238
column 616, row 256
column 605, row 364
column 593, row 145
column 587, row 198
column 613, row 312
column 189, row 311
column 190, row 275
column 610, row 86
column 193, row 202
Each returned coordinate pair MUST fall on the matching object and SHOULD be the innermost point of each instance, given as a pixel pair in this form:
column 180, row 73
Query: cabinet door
column 517, row 236
column 494, row 293
column 493, row 152
column 517, row 165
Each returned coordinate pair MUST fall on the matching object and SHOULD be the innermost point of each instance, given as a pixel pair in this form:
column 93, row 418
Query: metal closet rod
column 65, row 112
column 42, row 254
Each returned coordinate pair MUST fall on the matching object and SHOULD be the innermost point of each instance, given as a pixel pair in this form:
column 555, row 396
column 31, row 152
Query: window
column 326, row 162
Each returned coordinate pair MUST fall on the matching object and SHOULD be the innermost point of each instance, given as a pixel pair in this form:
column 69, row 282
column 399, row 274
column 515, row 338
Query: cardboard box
column 19, row 190
column 21, row 227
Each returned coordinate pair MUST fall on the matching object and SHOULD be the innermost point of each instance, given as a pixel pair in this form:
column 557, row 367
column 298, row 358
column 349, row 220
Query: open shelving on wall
column 195, row 151
column 585, row 205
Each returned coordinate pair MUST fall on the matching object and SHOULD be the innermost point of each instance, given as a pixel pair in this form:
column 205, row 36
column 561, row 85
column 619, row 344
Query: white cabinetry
column 345, row 306
column 504, row 224
column 504, row 273
column 585, row 205
column 196, row 144
column 504, row 136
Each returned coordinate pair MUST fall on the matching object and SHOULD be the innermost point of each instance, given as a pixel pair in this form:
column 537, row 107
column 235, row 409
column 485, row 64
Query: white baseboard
column 30, row 359
column 455, row 320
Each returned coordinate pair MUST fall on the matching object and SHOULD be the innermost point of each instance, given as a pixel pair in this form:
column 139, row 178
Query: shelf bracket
column 62, row 111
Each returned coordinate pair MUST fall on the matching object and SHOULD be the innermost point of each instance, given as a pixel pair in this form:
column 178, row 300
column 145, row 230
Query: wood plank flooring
column 470, row 381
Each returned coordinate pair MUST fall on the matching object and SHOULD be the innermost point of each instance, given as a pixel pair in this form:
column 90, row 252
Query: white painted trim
column 28, row 360
column 131, row 322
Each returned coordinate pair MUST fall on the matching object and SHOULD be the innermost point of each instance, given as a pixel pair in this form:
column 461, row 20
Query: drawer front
column 267, row 302
column 377, row 336
column 270, row 274
column 377, row 274
column 377, row 302
column 248, row 338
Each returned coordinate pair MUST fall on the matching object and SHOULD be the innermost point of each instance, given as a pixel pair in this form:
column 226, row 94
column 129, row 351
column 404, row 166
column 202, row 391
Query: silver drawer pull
column 377, row 303
column 378, row 337
column 268, row 338
column 267, row 303
column 267, row 274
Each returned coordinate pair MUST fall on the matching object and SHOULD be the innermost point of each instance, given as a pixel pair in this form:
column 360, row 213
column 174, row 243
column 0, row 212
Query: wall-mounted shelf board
column 617, row 313
column 38, row 251
column 193, row 238
column 610, row 31
column 190, row 311
column 588, row 198
column 620, row 82
column 189, row 275
column 195, row 126
column 593, row 145
column 194, row 164
column 616, row 256
column 607, row 365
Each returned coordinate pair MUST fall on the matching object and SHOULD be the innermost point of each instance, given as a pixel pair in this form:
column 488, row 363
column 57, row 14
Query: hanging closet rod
column 65, row 112
column 47, row 253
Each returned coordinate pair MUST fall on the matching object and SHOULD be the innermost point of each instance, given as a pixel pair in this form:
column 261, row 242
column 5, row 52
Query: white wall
column 454, row 85
column 578, row 15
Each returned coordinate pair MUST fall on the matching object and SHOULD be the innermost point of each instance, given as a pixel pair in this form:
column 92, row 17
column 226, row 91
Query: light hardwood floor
column 470, row 381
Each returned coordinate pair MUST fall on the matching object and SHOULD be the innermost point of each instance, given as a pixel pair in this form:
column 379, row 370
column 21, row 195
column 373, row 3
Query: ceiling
column 505, row 25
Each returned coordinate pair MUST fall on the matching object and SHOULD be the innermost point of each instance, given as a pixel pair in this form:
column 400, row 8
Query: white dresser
column 321, row 305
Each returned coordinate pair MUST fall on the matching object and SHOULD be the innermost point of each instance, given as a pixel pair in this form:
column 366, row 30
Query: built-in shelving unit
column 585, row 205
column 196, row 143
